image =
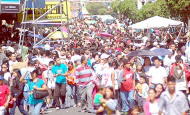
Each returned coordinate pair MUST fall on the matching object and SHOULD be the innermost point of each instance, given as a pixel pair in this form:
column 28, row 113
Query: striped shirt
column 83, row 75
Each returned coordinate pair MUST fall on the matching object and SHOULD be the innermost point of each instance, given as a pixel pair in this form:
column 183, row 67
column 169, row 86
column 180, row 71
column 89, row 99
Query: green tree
column 179, row 9
column 96, row 8
column 128, row 8
column 158, row 8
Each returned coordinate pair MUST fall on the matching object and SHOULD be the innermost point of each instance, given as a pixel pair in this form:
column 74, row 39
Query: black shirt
column 17, row 88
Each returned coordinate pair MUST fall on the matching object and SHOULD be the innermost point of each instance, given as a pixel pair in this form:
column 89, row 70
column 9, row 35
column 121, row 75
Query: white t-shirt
column 181, row 84
column 99, row 68
column 107, row 77
column 45, row 60
column 167, row 61
column 7, row 76
column 51, row 80
column 145, row 38
column 182, row 57
column 47, row 47
column 157, row 74
column 11, row 63
column 187, row 52
column 153, row 108
column 75, row 58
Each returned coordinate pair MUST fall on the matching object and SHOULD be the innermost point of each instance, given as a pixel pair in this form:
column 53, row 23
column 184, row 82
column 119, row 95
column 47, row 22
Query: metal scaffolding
column 39, row 21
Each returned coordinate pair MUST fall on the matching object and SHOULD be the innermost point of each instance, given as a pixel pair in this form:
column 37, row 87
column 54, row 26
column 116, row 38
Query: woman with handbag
column 37, row 90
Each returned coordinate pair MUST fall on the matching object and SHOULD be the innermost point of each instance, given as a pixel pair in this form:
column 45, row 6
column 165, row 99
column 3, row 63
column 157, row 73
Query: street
column 53, row 111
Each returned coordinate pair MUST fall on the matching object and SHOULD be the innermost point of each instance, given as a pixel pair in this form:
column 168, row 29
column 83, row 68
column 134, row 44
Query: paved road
column 53, row 111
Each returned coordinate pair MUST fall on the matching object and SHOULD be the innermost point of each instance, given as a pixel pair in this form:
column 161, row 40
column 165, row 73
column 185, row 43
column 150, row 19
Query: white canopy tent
column 155, row 22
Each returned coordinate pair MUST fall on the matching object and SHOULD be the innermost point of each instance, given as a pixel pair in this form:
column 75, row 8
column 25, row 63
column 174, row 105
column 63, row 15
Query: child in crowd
column 141, row 92
column 98, row 97
column 134, row 111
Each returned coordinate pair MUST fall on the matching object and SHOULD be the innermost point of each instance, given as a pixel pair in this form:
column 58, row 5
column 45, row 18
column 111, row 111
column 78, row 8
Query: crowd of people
column 98, row 73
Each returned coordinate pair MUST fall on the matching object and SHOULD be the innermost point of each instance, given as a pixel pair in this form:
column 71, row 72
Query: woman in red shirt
column 4, row 96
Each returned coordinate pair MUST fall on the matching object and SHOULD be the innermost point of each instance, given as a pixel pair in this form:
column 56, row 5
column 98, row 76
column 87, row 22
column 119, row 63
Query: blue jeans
column 127, row 100
column 26, row 97
column 35, row 109
column 71, row 91
column 20, row 104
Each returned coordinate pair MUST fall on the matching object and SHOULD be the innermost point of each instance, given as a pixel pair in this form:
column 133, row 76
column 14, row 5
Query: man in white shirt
column 157, row 74
column 76, row 57
column 144, row 38
column 12, row 61
column 168, row 62
column 179, row 52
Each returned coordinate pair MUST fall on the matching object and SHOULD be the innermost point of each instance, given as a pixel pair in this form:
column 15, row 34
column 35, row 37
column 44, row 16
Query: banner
column 54, row 15
column 37, row 4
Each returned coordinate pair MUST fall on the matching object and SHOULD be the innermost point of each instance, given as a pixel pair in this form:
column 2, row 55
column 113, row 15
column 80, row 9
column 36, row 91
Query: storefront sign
column 10, row 6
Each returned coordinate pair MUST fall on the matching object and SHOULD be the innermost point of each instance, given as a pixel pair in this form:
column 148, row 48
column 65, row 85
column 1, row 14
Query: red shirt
column 4, row 92
column 83, row 75
column 128, row 84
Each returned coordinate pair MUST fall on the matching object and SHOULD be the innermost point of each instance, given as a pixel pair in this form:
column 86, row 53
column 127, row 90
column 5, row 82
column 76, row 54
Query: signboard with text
column 10, row 6
column 53, row 15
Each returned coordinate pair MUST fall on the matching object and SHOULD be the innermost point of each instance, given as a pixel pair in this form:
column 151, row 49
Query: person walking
column 71, row 86
column 127, row 87
column 34, row 84
column 151, row 105
column 5, row 96
column 59, row 71
column 17, row 89
column 48, row 78
column 84, row 82
column 173, row 102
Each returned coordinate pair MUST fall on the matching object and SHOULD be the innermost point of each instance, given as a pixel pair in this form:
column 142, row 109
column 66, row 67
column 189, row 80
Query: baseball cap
column 56, row 45
column 104, row 56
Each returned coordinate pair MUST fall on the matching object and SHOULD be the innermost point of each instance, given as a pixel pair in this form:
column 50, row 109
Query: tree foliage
column 96, row 8
column 179, row 9
column 128, row 8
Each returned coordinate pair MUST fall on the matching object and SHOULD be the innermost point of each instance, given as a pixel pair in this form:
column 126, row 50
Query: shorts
column 140, row 100
column 51, row 93
column 2, row 110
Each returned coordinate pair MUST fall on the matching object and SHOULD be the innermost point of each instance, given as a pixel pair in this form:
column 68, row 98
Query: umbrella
column 36, row 35
column 141, row 53
column 58, row 35
column 105, row 35
column 91, row 22
column 161, row 52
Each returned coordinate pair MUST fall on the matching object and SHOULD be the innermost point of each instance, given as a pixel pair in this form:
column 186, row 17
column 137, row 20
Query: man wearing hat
column 5, row 95
column 127, row 86
column 105, row 57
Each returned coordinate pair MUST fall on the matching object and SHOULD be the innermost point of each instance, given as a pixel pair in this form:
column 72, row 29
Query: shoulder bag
column 40, row 94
